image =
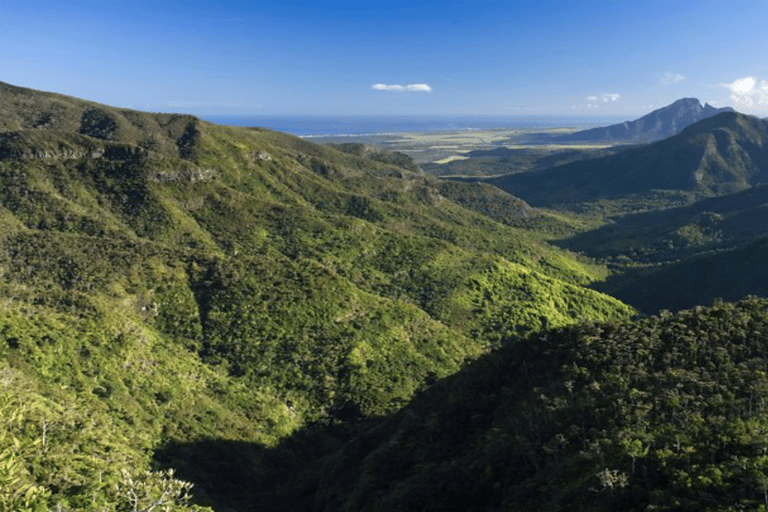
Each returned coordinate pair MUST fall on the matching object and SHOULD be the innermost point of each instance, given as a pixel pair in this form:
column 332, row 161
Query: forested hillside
column 169, row 281
column 666, row 413
column 201, row 317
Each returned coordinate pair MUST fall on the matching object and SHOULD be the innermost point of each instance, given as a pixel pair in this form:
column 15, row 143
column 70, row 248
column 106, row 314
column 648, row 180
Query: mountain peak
column 691, row 101
column 659, row 124
column 720, row 154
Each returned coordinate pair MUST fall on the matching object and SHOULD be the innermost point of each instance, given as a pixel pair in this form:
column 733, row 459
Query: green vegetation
column 679, row 222
column 728, row 274
column 667, row 413
column 168, row 282
column 516, row 159
column 717, row 156
column 201, row 317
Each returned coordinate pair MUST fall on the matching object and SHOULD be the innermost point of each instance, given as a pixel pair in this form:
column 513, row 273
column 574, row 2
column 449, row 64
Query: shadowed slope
column 658, row 414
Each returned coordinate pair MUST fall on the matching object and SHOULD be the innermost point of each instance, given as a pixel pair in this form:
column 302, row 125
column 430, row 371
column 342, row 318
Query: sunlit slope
column 239, row 283
column 257, row 217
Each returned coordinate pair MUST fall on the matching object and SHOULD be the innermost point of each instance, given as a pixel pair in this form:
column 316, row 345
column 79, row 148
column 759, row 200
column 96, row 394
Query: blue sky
column 489, row 57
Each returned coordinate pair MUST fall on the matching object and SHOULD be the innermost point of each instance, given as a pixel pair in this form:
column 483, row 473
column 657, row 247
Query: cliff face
column 52, row 145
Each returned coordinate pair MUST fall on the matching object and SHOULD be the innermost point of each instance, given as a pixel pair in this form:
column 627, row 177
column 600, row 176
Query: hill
column 725, row 274
column 717, row 156
column 378, row 154
column 659, row 124
column 168, row 280
column 675, row 234
column 661, row 414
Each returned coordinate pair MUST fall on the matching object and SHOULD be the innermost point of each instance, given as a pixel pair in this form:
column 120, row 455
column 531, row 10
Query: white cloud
column 595, row 101
column 747, row 90
column 409, row 87
column 670, row 78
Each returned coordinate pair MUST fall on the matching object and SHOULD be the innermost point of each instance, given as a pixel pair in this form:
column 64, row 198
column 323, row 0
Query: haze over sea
column 325, row 126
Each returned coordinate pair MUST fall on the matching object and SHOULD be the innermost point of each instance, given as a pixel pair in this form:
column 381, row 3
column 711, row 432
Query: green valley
column 169, row 281
column 217, row 318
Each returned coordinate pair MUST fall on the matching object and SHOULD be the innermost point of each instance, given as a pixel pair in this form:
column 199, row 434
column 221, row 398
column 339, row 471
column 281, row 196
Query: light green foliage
column 153, row 491
column 18, row 490
column 171, row 285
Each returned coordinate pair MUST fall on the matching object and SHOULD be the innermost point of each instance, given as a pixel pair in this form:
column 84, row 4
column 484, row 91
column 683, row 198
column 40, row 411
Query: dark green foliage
column 678, row 257
column 726, row 274
column 489, row 201
column 673, row 234
column 667, row 413
column 377, row 154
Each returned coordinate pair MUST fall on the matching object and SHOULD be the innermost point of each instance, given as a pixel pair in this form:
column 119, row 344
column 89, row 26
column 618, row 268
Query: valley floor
column 439, row 146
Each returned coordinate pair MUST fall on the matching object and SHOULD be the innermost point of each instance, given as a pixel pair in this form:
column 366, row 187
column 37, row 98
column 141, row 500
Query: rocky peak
column 659, row 124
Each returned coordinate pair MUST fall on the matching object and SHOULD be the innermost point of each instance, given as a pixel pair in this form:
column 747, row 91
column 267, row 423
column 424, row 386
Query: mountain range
column 544, row 150
column 290, row 326
column 719, row 155
column 657, row 125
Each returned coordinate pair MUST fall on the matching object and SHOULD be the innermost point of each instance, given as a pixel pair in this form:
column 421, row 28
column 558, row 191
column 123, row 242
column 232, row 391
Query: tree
column 18, row 491
column 153, row 491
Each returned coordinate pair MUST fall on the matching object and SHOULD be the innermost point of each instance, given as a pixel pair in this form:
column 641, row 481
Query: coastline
column 319, row 126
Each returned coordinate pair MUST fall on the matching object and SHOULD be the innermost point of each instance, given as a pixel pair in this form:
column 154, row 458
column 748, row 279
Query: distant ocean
column 338, row 126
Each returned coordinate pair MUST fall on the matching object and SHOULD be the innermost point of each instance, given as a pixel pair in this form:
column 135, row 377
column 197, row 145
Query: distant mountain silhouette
column 716, row 156
column 659, row 124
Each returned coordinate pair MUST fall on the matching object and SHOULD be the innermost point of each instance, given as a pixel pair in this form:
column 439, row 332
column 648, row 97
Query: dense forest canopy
column 203, row 317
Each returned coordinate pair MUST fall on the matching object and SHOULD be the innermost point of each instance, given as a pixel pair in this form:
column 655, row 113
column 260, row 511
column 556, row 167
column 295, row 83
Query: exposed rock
column 190, row 174
column 26, row 145
column 123, row 152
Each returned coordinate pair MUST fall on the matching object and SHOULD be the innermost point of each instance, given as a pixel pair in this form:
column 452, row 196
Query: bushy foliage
column 18, row 490
column 149, row 491
column 665, row 414
column 168, row 281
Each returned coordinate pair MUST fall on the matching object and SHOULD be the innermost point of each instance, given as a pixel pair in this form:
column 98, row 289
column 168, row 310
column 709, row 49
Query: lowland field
column 440, row 146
